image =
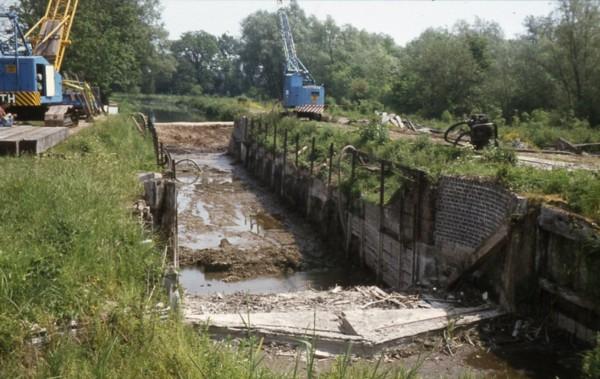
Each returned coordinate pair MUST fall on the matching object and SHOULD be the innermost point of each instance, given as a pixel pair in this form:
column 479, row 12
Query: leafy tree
column 196, row 55
column 566, row 45
column 440, row 74
column 115, row 43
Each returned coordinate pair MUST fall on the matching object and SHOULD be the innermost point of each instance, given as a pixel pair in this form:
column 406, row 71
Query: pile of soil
column 237, row 264
column 209, row 137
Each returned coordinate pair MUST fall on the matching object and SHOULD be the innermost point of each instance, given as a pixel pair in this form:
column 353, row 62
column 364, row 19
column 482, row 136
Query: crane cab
column 297, row 91
column 29, row 81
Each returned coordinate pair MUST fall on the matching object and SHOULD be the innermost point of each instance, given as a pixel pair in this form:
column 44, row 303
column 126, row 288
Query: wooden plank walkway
column 25, row 139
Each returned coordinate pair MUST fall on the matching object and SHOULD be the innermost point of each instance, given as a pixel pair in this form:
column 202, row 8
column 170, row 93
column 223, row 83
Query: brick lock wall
column 469, row 211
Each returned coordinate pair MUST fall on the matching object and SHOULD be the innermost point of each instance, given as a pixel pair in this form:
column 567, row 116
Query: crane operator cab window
column 314, row 96
column 44, row 76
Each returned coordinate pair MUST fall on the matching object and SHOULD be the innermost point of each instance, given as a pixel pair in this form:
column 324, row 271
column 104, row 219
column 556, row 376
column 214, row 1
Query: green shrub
column 591, row 362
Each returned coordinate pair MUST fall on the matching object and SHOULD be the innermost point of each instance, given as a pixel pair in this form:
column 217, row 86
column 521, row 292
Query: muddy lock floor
column 247, row 261
column 234, row 236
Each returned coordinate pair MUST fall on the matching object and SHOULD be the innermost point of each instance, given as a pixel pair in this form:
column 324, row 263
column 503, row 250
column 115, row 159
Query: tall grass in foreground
column 68, row 248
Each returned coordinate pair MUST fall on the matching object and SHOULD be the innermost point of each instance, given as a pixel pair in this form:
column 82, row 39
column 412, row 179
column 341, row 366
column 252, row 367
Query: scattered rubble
column 336, row 299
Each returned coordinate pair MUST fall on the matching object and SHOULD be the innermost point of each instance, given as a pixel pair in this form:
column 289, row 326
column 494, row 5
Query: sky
column 403, row 20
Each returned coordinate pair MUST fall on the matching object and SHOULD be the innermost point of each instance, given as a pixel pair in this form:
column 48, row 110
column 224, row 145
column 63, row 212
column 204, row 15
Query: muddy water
column 528, row 362
column 197, row 282
column 222, row 206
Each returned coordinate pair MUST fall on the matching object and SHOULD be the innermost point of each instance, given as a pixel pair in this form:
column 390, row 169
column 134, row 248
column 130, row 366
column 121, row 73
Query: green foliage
column 116, row 44
column 542, row 129
column 374, row 132
column 591, row 362
column 67, row 245
column 498, row 155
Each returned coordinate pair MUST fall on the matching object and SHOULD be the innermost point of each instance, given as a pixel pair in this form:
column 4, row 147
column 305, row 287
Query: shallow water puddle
column 197, row 282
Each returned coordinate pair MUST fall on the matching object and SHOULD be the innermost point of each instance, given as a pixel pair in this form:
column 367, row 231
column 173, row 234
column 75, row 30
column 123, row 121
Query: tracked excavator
column 31, row 84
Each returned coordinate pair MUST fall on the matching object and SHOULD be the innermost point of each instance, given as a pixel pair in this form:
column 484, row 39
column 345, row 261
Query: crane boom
column 292, row 62
column 300, row 92
column 50, row 35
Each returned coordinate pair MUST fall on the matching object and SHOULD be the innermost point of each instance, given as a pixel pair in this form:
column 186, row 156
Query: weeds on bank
column 579, row 189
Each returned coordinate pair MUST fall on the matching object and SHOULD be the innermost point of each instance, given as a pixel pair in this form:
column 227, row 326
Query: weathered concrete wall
column 414, row 239
column 432, row 233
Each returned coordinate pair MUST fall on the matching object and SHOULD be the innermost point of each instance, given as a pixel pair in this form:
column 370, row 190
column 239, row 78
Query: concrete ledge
column 368, row 331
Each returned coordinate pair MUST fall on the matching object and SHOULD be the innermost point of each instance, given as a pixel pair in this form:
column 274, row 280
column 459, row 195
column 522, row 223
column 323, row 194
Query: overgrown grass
column 68, row 246
column 538, row 130
column 580, row 189
column 542, row 129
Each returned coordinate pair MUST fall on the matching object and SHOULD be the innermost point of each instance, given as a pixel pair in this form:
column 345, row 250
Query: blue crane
column 30, row 64
column 301, row 94
column 25, row 79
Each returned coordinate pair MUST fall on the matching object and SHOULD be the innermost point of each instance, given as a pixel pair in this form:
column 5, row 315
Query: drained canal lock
column 250, row 264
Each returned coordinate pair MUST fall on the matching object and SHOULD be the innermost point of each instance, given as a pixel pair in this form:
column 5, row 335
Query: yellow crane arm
column 50, row 35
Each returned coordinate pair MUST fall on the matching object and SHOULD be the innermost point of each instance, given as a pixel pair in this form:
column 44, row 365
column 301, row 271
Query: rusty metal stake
column 312, row 156
column 285, row 139
column 297, row 149
column 352, row 172
column 330, row 164
column 266, row 134
column 274, row 138
column 381, row 218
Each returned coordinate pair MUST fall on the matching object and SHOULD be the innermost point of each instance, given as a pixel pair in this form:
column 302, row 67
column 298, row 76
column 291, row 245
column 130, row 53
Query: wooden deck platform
column 24, row 139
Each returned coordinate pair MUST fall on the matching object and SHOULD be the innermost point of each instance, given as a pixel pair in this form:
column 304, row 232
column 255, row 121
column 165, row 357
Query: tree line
column 121, row 45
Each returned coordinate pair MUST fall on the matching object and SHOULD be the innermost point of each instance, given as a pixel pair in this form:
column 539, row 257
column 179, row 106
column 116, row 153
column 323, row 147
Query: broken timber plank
column 568, row 295
column 593, row 148
column 473, row 261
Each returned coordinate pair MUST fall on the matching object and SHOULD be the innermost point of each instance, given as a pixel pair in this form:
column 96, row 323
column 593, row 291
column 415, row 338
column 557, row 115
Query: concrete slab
column 306, row 323
column 30, row 139
column 43, row 140
column 288, row 327
column 387, row 327
column 367, row 330
column 6, row 133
